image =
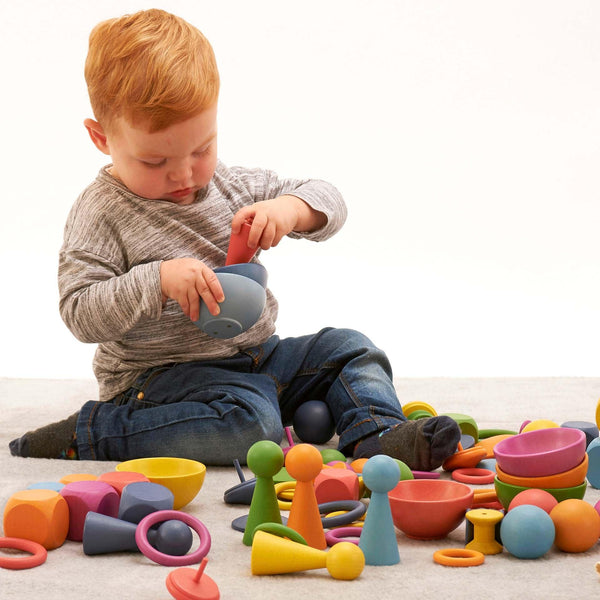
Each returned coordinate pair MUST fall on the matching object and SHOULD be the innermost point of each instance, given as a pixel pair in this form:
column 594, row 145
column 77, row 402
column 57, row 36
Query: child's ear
column 97, row 135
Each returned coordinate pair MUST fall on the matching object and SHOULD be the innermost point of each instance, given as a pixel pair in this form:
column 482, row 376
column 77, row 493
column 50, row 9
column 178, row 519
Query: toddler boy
column 140, row 246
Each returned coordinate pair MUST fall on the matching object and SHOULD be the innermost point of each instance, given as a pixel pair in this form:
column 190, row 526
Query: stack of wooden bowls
column 553, row 459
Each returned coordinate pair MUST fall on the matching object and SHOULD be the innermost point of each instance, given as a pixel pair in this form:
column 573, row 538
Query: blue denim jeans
column 214, row 410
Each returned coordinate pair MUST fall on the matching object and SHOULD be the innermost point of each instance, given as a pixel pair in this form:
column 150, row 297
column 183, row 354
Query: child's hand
column 186, row 280
column 275, row 218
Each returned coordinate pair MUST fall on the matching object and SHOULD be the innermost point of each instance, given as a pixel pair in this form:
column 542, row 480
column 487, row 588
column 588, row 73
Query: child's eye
column 202, row 151
column 154, row 165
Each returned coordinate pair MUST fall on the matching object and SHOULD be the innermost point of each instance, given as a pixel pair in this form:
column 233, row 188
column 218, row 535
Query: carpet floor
column 493, row 402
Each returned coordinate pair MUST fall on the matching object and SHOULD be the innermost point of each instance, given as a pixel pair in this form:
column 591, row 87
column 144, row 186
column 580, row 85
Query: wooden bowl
column 429, row 509
column 541, row 452
column 184, row 477
column 569, row 478
column 506, row 491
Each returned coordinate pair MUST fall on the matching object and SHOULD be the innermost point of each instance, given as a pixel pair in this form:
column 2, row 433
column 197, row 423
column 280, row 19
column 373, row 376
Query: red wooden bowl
column 429, row 509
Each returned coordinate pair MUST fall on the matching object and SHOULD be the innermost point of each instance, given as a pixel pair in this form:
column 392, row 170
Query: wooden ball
column 303, row 462
column 345, row 561
column 577, row 525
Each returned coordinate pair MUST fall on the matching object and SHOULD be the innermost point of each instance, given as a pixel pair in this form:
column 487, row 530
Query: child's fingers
column 243, row 215
column 268, row 236
column 259, row 223
column 214, row 285
column 208, row 287
column 204, row 293
column 194, row 305
column 183, row 301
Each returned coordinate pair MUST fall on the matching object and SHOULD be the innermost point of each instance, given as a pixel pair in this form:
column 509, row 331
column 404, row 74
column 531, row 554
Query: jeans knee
column 352, row 349
column 259, row 431
column 350, row 343
column 341, row 336
column 266, row 429
column 273, row 432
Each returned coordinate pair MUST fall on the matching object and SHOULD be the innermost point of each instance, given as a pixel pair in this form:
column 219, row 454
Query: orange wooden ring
column 458, row 557
column 38, row 554
column 473, row 475
column 465, row 458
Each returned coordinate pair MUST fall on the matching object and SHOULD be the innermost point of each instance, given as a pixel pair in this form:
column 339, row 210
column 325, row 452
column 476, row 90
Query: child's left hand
column 275, row 218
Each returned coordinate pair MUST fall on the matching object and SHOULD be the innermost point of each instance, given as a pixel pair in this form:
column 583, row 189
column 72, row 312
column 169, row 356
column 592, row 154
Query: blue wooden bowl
column 245, row 297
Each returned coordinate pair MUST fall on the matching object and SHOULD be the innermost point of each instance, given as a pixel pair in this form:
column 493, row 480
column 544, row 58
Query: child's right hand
column 186, row 280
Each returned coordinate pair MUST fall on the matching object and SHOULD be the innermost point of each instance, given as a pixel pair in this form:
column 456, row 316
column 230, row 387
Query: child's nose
column 182, row 171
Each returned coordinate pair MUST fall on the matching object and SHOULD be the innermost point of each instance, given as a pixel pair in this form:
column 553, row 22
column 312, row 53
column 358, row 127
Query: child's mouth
column 182, row 193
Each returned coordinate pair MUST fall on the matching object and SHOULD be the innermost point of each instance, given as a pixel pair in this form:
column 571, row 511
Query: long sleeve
column 100, row 304
column 109, row 267
column 318, row 194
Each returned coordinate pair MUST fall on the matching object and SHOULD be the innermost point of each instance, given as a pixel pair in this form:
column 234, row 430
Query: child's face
column 171, row 164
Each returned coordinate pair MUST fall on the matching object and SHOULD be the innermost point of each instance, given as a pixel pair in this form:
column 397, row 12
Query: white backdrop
column 464, row 135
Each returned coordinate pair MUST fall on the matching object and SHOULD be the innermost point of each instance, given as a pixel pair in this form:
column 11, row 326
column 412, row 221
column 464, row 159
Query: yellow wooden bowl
column 184, row 477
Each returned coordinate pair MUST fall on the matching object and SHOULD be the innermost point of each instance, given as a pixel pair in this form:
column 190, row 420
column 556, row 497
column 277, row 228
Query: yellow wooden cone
column 274, row 555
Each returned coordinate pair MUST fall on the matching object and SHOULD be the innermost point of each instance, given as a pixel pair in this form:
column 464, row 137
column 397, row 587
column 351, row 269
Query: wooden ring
column 141, row 538
column 458, row 557
column 337, row 535
column 39, row 553
column 281, row 487
column 473, row 475
column 356, row 509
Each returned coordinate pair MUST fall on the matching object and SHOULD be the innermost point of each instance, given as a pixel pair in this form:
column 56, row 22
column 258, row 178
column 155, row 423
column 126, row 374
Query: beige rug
column 68, row 574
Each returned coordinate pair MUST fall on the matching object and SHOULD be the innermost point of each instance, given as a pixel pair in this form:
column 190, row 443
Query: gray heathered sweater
column 114, row 242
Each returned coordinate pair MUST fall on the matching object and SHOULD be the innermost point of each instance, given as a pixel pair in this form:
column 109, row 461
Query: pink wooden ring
column 333, row 536
column 38, row 554
column 473, row 475
column 141, row 538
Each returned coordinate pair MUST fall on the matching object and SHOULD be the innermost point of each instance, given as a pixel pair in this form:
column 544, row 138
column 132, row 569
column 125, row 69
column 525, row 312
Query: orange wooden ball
column 303, row 462
column 41, row 516
column 577, row 525
column 358, row 464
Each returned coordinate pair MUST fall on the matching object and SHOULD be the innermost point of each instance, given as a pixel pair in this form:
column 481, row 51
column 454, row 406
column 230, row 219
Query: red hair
column 151, row 68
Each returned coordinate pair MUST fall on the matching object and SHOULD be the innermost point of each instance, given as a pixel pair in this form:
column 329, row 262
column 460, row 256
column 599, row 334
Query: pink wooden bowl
column 429, row 509
column 541, row 452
